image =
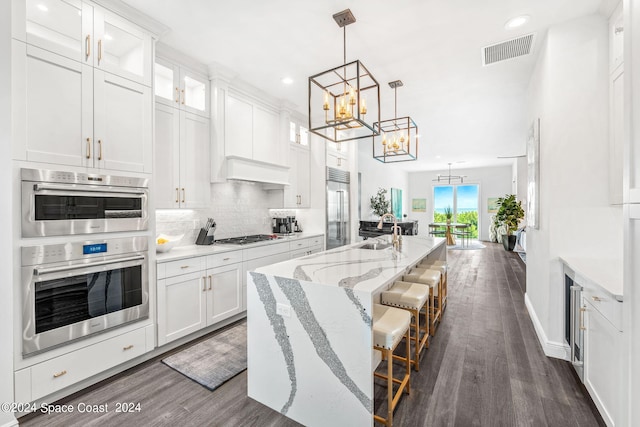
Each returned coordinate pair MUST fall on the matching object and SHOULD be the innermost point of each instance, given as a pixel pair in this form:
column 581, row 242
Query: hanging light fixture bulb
column 404, row 143
column 344, row 91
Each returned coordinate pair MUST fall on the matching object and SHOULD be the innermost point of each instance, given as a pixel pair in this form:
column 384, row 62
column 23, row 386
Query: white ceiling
column 465, row 112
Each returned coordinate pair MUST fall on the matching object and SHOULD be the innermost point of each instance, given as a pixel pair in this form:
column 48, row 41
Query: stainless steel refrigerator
column 338, row 227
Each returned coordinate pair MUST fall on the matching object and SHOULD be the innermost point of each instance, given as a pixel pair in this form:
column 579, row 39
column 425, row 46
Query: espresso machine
column 283, row 225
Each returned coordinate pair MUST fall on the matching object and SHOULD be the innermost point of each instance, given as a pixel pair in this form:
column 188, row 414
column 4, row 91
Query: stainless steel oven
column 65, row 203
column 73, row 290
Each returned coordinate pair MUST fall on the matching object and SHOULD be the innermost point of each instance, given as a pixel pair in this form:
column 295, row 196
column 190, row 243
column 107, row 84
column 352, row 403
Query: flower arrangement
column 379, row 203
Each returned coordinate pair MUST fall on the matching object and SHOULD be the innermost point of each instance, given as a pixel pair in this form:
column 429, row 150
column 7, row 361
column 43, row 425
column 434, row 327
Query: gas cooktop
column 246, row 239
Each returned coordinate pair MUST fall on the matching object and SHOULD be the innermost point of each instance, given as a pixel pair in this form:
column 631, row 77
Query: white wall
column 569, row 93
column 375, row 175
column 493, row 182
column 6, row 250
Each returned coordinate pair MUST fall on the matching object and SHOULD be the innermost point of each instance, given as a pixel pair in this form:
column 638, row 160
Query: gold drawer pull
column 598, row 299
column 226, row 259
column 59, row 374
column 184, row 266
column 129, row 347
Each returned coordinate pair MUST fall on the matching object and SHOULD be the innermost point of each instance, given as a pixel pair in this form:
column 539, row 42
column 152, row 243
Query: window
column 463, row 201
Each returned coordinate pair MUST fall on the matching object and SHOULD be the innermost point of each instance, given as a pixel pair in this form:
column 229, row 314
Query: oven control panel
column 42, row 175
column 46, row 254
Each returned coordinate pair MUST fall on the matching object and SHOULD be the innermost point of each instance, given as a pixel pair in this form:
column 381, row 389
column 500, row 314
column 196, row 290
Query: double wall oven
column 90, row 283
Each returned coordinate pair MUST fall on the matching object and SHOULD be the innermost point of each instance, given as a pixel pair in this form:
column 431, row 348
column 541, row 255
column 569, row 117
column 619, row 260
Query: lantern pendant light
column 344, row 101
column 398, row 139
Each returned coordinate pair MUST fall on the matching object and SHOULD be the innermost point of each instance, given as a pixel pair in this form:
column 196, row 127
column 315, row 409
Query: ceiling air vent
column 507, row 50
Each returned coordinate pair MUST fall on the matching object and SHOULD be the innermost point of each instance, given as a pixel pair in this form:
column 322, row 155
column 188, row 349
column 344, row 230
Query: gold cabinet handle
column 129, row 347
column 184, row 266
column 184, row 195
column 184, row 97
column 100, row 149
column 582, row 310
column 210, row 281
column 177, row 95
column 597, row 299
column 226, row 259
column 177, row 195
column 88, row 148
column 59, row 374
column 87, row 43
column 99, row 51
column 339, row 161
column 204, row 284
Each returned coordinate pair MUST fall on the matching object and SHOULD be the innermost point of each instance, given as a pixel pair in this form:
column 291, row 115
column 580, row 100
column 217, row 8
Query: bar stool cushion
column 406, row 295
column 389, row 325
column 420, row 275
column 441, row 268
column 436, row 262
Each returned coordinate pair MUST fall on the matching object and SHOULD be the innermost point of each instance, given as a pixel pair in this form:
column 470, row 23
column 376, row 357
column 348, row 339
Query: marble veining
column 280, row 330
column 295, row 293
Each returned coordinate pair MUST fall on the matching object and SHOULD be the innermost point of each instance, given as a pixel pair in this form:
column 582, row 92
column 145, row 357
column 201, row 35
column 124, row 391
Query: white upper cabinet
column 616, row 106
column 122, row 124
column 62, row 27
column 297, row 195
column 182, row 159
column 120, row 47
column 53, row 107
column 179, row 87
column 251, row 130
column 81, row 82
column 616, row 39
column 86, row 33
column 298, row 133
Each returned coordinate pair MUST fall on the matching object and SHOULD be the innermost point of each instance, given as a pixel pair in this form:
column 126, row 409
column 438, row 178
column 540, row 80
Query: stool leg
column 389, row 421
column 409, row 361
column 416, row 340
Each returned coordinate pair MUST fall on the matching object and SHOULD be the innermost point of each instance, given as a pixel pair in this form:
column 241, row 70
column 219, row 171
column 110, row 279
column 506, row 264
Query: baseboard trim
column 554, row 349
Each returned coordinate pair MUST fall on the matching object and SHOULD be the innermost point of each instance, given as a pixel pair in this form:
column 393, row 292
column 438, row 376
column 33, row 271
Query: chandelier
column 398, row 136
column 449, row 178
column 342, row 98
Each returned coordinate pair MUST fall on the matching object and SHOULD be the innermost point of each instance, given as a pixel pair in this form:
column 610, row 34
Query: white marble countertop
column 353, row 267
column 602, row 272
column 189, row 251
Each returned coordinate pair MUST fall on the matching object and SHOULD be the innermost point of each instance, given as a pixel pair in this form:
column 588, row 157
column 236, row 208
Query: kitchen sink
column 375, row 246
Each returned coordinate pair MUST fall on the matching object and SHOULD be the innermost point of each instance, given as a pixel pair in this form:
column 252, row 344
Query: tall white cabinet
column 82, row 78
column 182, row 137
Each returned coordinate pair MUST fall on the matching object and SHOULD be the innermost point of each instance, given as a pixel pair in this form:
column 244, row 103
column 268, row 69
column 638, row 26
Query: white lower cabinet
column 182, row 306
column 224, row 290
column 602, row 363
column 192, row 296
column 42, row 379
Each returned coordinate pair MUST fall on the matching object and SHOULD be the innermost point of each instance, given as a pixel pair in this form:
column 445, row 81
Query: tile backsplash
column 239, row 208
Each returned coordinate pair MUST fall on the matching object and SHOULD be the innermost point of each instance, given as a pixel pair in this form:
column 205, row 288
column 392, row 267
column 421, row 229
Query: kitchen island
column 310, row 351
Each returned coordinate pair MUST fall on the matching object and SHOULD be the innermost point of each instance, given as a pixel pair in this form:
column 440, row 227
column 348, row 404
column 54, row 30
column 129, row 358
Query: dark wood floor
column 484, row 367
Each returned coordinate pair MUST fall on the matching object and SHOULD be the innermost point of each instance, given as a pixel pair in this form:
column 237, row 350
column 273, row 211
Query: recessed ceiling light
column 43, row 7
column 516, row 22
column 108, row 36
column 287, row 80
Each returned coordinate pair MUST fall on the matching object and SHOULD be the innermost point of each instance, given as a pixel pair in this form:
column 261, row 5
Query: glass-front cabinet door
column 165, row 76
column 60, row 26
column 121, row 48
column 194, row 92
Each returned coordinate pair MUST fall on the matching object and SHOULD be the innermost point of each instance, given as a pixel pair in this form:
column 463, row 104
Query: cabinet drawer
column 299, row 253
column 605, row 304
column 266, row 250
column 224, row 258
column 315, row 241
column 298, row 244
column 63, row 371
column 315, row 249
column 184, row 266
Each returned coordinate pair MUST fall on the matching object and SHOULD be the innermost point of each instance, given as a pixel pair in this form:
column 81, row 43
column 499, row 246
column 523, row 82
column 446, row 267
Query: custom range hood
column 240, row 168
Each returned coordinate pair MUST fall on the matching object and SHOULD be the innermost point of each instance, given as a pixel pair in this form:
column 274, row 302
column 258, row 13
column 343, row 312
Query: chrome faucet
column 397, row 237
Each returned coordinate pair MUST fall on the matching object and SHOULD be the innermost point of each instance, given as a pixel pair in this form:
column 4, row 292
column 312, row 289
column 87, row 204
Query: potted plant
column 448, row 213
column 379, row 203
column 509, row 214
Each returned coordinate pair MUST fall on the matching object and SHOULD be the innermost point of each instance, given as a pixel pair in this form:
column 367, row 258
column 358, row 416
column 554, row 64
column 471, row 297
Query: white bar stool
column 433, row 278
column 412, row 297
column 442, row 266
column 390, row 325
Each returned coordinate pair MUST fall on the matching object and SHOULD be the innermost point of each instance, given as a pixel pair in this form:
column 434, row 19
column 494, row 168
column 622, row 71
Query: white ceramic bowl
column 166, row 247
